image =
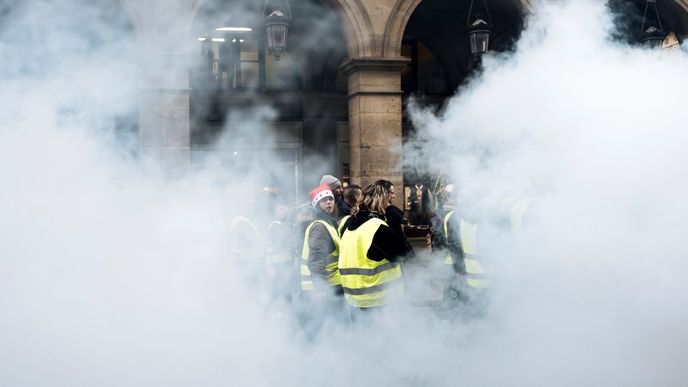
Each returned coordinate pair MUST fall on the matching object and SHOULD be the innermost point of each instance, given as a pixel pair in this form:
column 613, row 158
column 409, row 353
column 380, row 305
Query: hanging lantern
column 479, row 30
column 479, row 36
column 277, row 29
column 652, row 32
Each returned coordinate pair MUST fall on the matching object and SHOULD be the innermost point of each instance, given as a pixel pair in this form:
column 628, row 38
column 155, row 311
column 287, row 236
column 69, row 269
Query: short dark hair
column 351, row 191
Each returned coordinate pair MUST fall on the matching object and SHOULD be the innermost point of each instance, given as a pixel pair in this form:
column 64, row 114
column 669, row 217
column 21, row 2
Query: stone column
column 375, row 120
column 164, row 126
column 162, row 28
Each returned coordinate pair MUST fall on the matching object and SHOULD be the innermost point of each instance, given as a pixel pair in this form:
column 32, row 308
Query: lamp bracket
column 470, row 12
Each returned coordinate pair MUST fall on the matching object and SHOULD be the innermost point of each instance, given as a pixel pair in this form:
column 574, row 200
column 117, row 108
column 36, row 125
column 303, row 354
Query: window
column 238, row 61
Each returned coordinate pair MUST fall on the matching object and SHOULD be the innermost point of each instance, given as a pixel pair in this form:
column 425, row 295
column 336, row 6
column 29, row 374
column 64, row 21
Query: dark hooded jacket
column 395, row 220
column 387, row 243
column 343, row 208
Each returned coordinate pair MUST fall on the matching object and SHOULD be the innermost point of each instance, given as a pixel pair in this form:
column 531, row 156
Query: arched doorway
column 436, row 40
column 628, row 19
column 436, row 36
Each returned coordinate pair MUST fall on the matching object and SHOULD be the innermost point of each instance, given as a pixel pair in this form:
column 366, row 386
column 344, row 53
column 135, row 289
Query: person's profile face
column 357, row 197
column 392, row 196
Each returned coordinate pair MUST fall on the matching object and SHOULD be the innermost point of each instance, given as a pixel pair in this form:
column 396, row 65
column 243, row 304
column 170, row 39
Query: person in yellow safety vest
column 460, row 236
column 246, row 251
column 321, row 246
column 369, row 251
column 515, row 208
column 245, row 238
column 341, row 208
column 279, row 257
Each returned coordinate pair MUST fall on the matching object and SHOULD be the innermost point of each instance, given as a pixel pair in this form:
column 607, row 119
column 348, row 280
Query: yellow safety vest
column 367, row 283
column 330, row 264
column 515, row 207
column 342, row 222
column 241, row 219
column 276, row 254
column 245, row 249
column 475, row 274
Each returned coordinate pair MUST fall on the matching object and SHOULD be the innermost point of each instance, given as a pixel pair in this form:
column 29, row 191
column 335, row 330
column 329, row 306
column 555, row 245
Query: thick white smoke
column 591, row 292
column 110, row 275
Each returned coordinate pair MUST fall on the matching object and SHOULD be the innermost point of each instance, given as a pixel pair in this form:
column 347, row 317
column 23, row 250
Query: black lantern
column 277, row 28
column 479, row 30
column 652, row 32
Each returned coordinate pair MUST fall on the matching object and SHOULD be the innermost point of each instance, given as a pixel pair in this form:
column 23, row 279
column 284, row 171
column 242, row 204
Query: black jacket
column 343, row 208
column 395, row 219
column 387, row 243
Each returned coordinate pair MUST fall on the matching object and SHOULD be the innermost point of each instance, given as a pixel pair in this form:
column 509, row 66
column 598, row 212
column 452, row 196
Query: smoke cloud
column 115, row 275
column 591, row 130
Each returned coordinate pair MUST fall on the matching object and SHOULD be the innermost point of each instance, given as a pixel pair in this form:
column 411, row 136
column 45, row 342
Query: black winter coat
column 387, row 243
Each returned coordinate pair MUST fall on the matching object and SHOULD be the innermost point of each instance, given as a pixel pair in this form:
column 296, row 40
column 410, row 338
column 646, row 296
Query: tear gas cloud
column 592, row 130
column 114, row 275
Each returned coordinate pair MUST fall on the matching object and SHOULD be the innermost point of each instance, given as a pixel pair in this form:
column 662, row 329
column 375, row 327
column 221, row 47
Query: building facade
column 336, row 96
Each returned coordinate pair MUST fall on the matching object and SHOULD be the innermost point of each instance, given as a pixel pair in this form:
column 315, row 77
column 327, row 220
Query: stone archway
column 359, row 27
column 683, row 4
column 162, row 28
column 375, row 28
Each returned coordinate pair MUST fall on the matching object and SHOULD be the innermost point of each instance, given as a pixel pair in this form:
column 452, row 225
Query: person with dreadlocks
column 370, row 250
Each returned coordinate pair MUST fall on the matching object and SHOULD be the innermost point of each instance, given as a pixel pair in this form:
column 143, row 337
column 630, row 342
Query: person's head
column 376, row 197
column 352, row 193
column 281, row 211
column 334, row 184
column 322, row 199
column 449, row 196
column 390, row 188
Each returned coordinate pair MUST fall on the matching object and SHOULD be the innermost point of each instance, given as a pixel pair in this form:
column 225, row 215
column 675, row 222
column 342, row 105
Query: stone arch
column 135, row 17
column 683, row 4
column 359, row 28
column 396, row 25
column 167, row 14
column 398, row 19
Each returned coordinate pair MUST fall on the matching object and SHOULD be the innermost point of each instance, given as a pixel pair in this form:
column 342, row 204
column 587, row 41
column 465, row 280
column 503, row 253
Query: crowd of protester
column 343, row 255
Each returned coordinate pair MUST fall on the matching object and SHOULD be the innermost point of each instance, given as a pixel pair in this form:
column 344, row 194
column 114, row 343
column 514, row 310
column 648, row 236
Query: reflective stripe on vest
column 367, row 283
column 448, row 260
column 475, row 274
column 330, row 263
column 276, row 254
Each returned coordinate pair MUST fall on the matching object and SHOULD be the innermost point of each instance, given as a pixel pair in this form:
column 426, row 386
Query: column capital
column 374, row 76
column 352, row 65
